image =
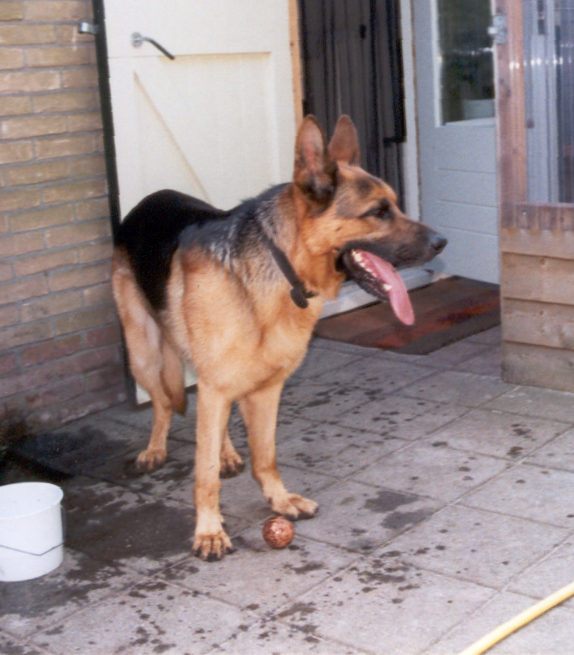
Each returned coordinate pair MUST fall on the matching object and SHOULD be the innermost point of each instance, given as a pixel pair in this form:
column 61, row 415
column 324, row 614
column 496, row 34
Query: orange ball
column 278, row 532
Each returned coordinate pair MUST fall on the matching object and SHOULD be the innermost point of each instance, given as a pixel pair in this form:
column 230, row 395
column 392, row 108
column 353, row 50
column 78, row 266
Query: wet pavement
column 446, row 508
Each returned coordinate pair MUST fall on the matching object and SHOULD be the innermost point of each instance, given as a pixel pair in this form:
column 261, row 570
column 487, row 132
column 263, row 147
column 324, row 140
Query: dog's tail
column 153, row 361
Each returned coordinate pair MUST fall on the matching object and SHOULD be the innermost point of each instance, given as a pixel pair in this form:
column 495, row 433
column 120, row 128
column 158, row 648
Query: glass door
column 456, row 133
column 466, row 60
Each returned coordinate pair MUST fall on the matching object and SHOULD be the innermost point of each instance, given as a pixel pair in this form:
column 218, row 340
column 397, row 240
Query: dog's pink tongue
column 398, row 294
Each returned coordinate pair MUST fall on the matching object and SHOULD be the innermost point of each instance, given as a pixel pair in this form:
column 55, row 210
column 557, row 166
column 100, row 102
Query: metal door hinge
column 498, row 30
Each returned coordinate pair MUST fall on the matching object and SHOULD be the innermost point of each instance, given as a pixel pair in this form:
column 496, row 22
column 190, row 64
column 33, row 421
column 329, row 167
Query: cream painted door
column 216, row 122
column 456, row 130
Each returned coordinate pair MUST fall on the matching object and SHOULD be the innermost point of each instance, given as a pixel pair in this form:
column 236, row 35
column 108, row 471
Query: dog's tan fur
column 245, row 341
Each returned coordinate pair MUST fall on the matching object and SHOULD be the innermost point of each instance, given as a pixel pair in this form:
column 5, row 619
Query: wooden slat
column 544, row 243
column 295, row 45
column 542, row 216
column 551, row 368
column 511, row 128
column 536, row 323
column 542, row 279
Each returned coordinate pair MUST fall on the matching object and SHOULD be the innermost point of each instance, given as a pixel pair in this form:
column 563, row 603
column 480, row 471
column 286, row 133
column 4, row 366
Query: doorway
column 456, row 128
column 352, row 58
column 199, row 98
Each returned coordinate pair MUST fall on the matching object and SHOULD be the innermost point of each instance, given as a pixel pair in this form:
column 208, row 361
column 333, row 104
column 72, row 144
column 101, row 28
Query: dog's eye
column 382, row 211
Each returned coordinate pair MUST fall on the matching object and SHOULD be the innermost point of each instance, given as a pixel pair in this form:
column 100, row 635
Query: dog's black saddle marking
column 150, row 236
column 166, row 220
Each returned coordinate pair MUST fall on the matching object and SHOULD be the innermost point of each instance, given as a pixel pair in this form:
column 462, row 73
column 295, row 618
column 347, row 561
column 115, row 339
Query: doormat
column 446, row 311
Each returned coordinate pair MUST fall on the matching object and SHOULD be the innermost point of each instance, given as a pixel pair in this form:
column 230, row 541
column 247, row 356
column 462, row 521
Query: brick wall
column 60, row 354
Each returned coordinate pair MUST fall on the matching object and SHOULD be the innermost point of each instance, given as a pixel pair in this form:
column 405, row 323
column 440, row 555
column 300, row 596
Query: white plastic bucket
column 31, row 534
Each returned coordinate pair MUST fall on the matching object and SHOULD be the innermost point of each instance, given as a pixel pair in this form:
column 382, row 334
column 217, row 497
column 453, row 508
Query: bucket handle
column 25, row 552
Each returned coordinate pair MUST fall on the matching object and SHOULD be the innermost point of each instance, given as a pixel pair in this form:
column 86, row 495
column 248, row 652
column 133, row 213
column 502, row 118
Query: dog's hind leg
column 259, row 410
column 210, row 542
column 153, row 363
column 161, row 375
column 155, row 367
column 231, row 463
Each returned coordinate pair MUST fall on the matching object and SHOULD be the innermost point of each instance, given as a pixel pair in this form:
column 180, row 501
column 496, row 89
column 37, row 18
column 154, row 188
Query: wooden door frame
column 295, row 46
column 510, row 112
column 106, row 111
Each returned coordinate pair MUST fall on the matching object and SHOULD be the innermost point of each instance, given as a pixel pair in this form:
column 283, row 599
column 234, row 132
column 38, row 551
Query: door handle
column 137, row 39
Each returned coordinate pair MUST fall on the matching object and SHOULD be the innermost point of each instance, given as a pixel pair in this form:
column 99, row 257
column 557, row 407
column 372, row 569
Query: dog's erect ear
column 344, row 145
column 315, row 172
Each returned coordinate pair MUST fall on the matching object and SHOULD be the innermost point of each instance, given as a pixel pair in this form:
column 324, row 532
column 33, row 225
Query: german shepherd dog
column 237, row 294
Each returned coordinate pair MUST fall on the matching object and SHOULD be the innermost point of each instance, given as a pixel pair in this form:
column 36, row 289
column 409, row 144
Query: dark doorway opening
column 352, row 64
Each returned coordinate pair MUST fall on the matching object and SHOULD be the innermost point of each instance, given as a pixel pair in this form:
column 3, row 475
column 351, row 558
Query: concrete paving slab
column 432, row 469
column 31, row 606
column 336, row 450
column 116, row 525
column 474, row 545
column 10, row 646
column 361, row 518
column 500, row 434
column 142, row 416
column 271, row 636
column 330, row 346
column 542, row 403
column 288, row 426
column 548, row 635
column 80, row 447
column 400, row 416
column 548, row 575
column 453, row 355
column 241, row 497
column 559, row 453
column 376, row 375
column 529, row 491
column 173, row 481
column 487, row 362
column 385, row 609
column 322, row 402
column 266, row 579
column 458, row 387
column 492, row 337
column 318, row 362
column 154, row 617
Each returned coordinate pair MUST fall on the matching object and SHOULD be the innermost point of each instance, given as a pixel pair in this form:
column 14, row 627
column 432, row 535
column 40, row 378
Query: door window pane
column 466, row 60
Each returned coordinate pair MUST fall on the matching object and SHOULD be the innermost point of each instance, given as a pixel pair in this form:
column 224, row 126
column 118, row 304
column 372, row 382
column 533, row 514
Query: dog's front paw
column 212, row 547
column 295, row 507
column 150, row 460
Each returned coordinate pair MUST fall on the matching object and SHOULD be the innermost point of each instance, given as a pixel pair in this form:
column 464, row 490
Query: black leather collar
column 299, row 293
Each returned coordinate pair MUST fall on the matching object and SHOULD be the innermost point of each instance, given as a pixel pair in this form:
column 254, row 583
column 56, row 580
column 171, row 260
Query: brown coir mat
column 446, row 311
